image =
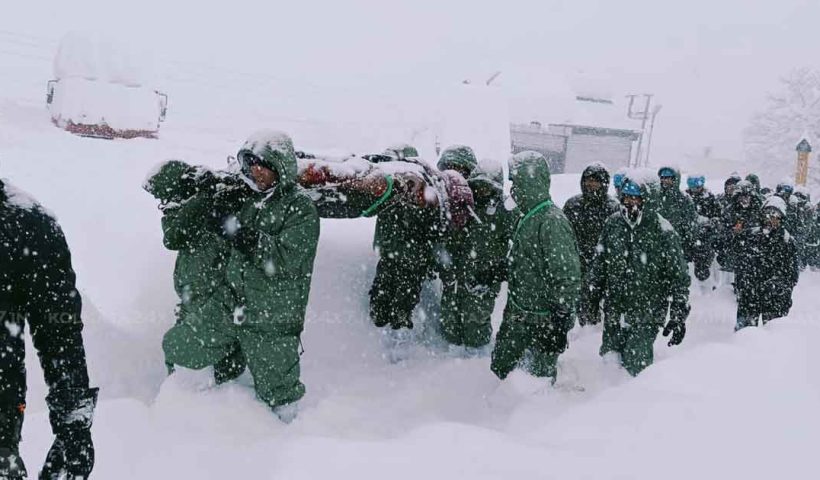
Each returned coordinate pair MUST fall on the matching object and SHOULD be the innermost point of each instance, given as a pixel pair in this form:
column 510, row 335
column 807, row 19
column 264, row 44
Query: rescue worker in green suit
column 544, row 276
column 258, row 306
column 187, row 195
column 640, row 274
column 409, row 240
column 477, row 255
column 678, row 209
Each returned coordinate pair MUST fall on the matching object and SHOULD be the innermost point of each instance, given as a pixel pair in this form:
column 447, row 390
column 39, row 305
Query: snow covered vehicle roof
column 99, row 91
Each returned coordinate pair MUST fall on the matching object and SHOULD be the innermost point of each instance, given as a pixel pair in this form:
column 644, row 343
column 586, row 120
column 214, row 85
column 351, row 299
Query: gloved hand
column 11, row 465
column 71, row 454
column 676, row 326
column 678, row 330
column 226, row 201
column 71, row 412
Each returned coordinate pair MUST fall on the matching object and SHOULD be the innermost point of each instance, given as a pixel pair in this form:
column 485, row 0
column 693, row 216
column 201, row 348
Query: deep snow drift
column 721, row 405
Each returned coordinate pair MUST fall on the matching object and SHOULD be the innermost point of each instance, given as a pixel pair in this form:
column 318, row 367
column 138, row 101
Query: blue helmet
column 631, row 189
column 618, row 180
column 696, row 181
column 785, row 188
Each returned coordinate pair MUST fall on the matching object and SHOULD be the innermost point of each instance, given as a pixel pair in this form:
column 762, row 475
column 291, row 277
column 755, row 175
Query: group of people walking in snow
column 246, row 240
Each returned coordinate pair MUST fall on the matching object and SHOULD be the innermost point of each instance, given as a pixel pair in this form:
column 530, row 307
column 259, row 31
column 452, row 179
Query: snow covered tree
column 773, row 133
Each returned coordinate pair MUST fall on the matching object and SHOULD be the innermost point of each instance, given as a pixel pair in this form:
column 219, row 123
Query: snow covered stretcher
column 356, row 187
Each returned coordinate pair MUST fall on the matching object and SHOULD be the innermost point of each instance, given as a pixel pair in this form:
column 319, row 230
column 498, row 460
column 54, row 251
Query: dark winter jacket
column 735, row 220
column 813, row 239
column 768, row 261
column 640, row 270
column 679, row 209
column 588, row 213
column 706, row 204
column 544, row 266
column 481, row 247
column 191, row 226
column 270, row 264
column 37, row 284
column 408, row 232
column 794, row 223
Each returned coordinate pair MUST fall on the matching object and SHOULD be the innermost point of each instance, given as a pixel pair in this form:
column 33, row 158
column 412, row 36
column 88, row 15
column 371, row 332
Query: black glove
column 678, row 313
column 678, row 330
column 11, row 465
column 71, row 454
column 71, row 412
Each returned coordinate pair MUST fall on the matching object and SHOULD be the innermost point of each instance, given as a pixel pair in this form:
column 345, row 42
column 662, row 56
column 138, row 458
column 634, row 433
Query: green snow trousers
column 634, row 341
column 531, row 340
column 467, row 303
column 273, row 358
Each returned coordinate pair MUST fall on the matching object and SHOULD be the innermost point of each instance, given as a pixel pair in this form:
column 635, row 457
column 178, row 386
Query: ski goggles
column 249, row 159
column 784, row 188
column 696, row 182
column 618, row 180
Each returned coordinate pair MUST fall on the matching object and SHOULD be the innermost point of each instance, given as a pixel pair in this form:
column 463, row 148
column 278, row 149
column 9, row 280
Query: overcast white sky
column 710, row 62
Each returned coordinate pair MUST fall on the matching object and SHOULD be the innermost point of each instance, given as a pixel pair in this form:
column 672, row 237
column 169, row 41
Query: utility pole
column 651, row 130
column 642, row 115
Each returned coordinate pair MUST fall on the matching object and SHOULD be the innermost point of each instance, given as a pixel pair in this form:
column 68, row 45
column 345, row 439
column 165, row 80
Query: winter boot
column 230, row 367
column 287, row 412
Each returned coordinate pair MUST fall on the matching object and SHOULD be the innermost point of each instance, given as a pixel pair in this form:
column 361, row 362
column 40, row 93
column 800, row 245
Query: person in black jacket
column 709, row 212
column 741, row 214
column 767, row 269
column 725, row 198
column 37, row 286
column 588, row 212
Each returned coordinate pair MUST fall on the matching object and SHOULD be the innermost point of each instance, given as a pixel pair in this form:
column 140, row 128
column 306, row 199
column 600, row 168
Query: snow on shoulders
column 665, row 225
column 22, row 199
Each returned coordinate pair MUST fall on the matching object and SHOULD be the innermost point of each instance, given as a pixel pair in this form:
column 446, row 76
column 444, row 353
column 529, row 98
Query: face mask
column 632, row 214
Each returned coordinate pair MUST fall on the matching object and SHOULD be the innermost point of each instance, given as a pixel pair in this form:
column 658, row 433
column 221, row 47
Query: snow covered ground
column 721, row 405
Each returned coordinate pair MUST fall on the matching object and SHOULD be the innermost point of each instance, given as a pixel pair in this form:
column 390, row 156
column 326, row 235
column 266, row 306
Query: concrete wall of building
column 582, row 150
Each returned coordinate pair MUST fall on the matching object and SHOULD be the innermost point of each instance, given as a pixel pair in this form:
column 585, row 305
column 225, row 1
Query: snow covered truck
column 97, row 91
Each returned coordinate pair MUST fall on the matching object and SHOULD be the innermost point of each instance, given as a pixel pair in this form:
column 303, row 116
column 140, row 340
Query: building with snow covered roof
column 582, row 131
